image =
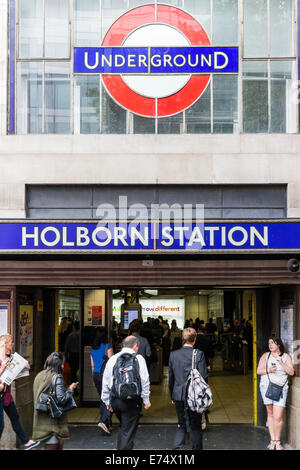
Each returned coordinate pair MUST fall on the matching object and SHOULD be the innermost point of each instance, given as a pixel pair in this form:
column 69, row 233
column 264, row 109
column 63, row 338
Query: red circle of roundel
column 156, row 107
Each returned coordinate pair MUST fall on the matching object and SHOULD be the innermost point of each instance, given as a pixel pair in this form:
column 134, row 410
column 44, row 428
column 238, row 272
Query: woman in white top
column 275, row 366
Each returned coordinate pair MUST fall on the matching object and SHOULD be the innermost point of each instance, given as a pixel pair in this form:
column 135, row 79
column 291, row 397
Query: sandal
column 278, row 446
column 272, row 445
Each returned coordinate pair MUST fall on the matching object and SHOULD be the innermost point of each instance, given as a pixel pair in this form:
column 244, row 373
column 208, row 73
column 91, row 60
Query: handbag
column 42, row 401
column 55, row 408
column 274, row 391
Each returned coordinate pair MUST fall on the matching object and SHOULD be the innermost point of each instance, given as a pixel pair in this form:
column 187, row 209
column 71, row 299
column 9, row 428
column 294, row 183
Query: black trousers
column 105, row 415
column 195, row 420
column 73, row 359
column 128, row 413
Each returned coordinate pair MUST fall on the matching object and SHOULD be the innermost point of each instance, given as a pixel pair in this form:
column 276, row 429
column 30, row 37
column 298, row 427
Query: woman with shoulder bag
column 51, row 430
column 6, row 400
column 274, row 368
column 100, row 353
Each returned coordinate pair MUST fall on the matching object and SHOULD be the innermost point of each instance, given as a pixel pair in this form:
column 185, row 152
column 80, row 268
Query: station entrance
column 52, row 293
column 232, row 311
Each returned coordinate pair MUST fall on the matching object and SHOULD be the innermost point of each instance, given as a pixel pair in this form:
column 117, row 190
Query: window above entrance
column 48, row 95
column 220, row 202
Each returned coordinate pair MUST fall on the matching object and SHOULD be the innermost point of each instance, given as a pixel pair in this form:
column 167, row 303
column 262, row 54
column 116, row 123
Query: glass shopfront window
column 114, row 118
column 198, row 116
column 87, row 23
column 283, row 105
column 225, row 23
column 111, row 11
column 269, row 28
column 255, row 96
column 87, row 105
column 281, row 28
column 171, row 125
column 262, row 91
column 29, row 112
column 44, row 29
column 142, row 125
column 57, row 28
column 57, row 98
column 225, row 104
column 201, row 11
column 256, row 28
column 31, row 32
column 268, row 97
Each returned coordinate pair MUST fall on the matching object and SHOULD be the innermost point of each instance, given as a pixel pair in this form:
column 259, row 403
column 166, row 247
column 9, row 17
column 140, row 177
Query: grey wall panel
column 60, row 213
column 59, row 196
column 256, row 196
column 92, row 202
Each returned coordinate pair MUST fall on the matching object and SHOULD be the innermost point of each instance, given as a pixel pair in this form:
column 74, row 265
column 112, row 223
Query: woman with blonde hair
column 6, row 400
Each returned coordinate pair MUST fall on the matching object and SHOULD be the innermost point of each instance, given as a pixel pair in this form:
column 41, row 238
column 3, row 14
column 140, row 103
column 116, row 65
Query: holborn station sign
column 81, row 237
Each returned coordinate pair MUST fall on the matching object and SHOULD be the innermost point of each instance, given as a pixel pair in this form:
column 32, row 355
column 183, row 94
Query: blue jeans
column 12, row 413
column 105, row 415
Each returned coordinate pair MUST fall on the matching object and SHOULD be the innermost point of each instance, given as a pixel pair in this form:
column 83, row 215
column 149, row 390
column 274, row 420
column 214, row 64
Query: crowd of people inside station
column 153, row 333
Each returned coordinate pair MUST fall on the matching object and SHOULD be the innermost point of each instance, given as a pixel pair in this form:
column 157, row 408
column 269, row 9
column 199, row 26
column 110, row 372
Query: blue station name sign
column 156, row 60
column 218, row 237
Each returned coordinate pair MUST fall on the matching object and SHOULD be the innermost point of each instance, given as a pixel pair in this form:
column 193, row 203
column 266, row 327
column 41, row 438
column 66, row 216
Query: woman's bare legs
column 278, row 423
column 270, row 412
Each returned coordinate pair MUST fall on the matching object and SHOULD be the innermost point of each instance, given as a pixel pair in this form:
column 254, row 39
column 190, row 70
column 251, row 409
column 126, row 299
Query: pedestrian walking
column 203, row 343
column 135, row 328
column 7, row 404
column 180, row 366
column 275, row 367
column 174, row 333
column 101, row 351
column 72, row 348
column 125, row 387
column 45, row 428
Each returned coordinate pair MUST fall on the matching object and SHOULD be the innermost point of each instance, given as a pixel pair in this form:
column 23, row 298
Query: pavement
column 160, row 437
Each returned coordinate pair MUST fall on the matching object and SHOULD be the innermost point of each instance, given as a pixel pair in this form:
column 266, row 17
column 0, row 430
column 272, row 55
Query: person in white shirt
column 127, row 410
column 275, row 366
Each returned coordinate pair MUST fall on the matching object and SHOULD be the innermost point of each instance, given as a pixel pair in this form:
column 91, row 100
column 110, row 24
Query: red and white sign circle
column 156, row 95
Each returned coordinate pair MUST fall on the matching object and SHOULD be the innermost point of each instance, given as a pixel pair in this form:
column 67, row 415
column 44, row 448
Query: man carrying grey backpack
column 125, row 387
column 180, row 366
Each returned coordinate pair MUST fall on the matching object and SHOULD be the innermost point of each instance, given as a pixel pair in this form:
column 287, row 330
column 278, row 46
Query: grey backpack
column 198, row 392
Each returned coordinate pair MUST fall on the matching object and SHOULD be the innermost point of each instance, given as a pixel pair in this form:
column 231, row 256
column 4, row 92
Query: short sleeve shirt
column 97, row 355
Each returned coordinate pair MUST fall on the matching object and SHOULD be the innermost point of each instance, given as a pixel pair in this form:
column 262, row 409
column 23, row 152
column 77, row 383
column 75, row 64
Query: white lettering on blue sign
column 130, row 236
column 100, row 236
column 236, row 236
column 164, row 60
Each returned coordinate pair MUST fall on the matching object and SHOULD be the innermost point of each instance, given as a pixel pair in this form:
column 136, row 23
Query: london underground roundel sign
column 156, row 60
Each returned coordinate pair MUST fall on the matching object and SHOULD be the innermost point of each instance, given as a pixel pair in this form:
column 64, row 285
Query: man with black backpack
column 125, row 387
column 180, row 366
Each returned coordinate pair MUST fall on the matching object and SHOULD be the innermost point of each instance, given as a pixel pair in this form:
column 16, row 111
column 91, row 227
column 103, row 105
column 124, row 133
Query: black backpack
column 126, row 377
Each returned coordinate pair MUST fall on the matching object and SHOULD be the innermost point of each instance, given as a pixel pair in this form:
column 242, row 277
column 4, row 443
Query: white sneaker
column 104, row 428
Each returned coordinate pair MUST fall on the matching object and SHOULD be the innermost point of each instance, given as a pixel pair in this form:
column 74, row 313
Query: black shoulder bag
column 43, row 398
column 274, row 391
column 55, row 408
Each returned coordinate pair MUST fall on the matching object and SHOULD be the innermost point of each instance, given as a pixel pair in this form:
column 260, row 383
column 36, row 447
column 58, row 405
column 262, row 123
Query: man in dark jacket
column 180, row 366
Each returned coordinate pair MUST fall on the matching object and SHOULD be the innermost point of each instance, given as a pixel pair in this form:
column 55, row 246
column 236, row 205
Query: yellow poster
column 26, row 332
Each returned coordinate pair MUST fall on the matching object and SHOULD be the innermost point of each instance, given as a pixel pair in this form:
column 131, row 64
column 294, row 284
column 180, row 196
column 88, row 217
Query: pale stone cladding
column 143, row 159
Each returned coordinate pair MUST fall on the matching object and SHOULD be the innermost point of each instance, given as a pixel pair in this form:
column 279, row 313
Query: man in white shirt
column 127, row 410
